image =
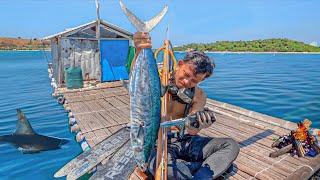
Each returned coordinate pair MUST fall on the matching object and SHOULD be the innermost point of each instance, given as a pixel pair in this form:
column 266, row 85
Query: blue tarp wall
column 114, row 55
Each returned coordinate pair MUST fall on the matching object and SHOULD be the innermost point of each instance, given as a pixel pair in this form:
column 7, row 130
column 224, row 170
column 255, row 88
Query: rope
column 270, row 166
column 301, row 166
column 305, row 165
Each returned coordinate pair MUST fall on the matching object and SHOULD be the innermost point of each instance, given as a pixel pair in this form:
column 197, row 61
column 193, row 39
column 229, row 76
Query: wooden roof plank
column 262, row 151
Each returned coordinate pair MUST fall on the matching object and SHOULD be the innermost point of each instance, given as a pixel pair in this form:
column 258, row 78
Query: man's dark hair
column 202, row 62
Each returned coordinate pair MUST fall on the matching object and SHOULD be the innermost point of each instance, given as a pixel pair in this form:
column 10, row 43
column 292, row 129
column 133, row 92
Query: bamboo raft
column 97, row 112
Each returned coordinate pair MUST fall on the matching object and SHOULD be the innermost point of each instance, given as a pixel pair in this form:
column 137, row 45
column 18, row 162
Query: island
column 265, row 45
column 19, row 43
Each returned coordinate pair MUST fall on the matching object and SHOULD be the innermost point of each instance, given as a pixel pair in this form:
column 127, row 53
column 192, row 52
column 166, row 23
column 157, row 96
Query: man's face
column 185, row 76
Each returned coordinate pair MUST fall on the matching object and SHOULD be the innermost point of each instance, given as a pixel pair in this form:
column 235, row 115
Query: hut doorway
column 114, row 55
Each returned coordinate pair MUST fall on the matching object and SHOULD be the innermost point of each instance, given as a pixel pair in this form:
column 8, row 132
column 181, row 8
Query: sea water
column 24, row 83
column 281, row 85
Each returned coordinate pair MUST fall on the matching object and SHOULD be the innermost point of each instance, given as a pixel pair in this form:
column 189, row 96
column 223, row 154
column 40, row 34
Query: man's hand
column 203, row 119
column 142, row 40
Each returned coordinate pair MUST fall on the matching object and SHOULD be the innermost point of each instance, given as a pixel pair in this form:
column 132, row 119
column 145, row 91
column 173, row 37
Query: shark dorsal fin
column 140, row 25
column 23, row 125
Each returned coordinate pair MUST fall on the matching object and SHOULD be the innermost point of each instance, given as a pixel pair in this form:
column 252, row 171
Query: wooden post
column 60, row 70
column 98, row 32
column 281, row 151
column 162, row 146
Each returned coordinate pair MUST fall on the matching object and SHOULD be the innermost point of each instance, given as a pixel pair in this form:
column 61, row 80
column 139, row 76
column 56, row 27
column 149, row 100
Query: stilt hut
column 98, row 47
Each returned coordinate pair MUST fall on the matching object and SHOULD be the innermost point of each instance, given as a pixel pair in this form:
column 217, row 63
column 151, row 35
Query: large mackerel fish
column 144, row 90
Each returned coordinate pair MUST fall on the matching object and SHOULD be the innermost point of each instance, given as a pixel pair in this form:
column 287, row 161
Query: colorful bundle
column 299, row 142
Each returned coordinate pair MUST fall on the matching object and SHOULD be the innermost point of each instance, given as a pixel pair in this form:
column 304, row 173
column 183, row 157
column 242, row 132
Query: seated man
column 192, row 156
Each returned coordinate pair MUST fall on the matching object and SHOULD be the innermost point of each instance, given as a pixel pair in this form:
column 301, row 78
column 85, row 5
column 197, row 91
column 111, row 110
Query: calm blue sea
column 281, row 85
column 24, row 83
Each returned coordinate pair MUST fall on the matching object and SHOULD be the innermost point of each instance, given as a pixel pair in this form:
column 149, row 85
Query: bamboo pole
column 98, row 33
column 162, row 146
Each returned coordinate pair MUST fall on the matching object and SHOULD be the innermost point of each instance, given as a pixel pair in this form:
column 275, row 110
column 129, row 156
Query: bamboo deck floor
column 100, row 112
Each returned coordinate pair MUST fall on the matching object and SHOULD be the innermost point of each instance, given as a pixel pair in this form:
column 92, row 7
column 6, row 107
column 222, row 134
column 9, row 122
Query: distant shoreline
column 2, row 50
column 253, row 52
column 217, row 52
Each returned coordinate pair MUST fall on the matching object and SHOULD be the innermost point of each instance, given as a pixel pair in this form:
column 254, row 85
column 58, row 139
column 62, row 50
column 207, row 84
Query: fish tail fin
column 140, row 25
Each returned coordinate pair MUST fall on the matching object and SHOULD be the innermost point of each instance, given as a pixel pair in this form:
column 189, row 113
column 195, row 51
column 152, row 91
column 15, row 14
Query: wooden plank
column 115, row 128
column 123, row 99
column 233, row 132
column 75, row 107
column 99, row 119
column 108, row 95
column 89, row 120
column 90, row 142
column 101, row 134
column 107, row 132
column 126, row 111
column 283, row 165
column 79, row 107
column 102, row 111
column 93, row 106
column 115, row 102
column 80, row 121
column 253, row 146
column 251, row 127
column 302, row 173
column 118, row 118
column 260, row 171
column 109, row 119
column 287, row 161
column 249, row 133
column 248, row 168
column 105, row 104
column 251, row 170
column 234, row 176
column 268, row 167
column 122, row 117
column 266, row 134
column 249, row 120
column 255, row 115
column 90, row 138
column 240, row 172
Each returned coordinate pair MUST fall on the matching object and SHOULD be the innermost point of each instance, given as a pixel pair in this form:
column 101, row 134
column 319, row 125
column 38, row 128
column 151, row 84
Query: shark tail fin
column 140, row 25
column 23, row 125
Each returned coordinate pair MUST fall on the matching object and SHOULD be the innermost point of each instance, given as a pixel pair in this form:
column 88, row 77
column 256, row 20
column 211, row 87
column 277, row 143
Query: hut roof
column 88, row 29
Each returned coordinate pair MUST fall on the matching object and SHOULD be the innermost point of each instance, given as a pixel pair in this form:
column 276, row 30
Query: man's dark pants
column 197, row 157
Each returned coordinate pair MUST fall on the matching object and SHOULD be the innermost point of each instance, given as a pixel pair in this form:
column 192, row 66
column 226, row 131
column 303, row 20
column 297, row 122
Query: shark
column 27, row 140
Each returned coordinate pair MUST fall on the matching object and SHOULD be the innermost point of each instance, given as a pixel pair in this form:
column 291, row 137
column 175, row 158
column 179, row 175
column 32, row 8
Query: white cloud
column 314, row 43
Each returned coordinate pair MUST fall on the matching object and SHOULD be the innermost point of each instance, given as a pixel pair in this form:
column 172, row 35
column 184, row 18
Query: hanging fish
column 144, row 90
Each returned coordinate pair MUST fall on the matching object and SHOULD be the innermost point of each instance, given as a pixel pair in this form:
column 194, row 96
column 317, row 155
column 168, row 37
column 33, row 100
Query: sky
column 198, row 21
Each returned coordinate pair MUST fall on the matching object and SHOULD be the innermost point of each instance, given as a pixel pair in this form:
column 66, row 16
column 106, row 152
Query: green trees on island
column 267, row 45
